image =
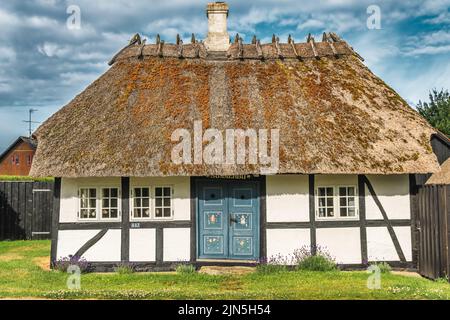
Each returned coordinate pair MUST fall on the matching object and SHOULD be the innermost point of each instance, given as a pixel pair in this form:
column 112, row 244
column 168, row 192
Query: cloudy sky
column 44, row 64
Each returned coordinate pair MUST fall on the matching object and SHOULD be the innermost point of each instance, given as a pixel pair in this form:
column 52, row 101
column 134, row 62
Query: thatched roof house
column 347, row 146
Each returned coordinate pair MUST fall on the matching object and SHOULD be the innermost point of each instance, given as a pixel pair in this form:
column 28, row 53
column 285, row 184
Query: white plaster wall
column 70, row 241
column 287, row 198
column 285, row 241
column 181, row 189
column 343, row 244
column 69, row 194
column 335, row 180
column 107, row 249
column 381, row 248
column 177, row 242
column 142, row 245
column 393, row 193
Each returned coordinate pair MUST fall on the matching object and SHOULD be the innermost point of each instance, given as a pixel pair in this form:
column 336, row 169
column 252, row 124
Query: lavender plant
column 62, row 264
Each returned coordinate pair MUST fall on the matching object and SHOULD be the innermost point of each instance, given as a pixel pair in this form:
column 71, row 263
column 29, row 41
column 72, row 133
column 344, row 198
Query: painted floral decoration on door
column 213, row 220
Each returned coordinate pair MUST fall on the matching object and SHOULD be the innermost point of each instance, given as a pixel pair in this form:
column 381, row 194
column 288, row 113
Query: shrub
column 185, row 269
column 125, row 268
column 63, row 264
column 274, row 264
column 383, row 266
column 320, row 261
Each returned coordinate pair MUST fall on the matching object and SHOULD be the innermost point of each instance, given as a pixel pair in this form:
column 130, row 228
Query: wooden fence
column 25, row 210
column 434, row 231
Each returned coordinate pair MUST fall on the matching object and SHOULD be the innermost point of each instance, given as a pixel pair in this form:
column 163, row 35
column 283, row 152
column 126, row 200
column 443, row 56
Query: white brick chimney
column 218, row 38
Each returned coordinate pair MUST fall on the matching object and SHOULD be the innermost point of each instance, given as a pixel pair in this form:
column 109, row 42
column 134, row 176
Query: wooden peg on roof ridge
column 259, row 50
column 254, row 39
column 178, row 39
column 274, row 38
column 193, row 38
column 289, row 39
column 236, row 38
column 158, row 39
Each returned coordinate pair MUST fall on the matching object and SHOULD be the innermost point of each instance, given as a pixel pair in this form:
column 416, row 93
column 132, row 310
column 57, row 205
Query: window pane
column 321, row 212
column 321, row 192
column 137, row 192
column 145, row 203
column 84, row 214
column 329, row 202
column 330, row 192
column 105, row 193
column 343, row 202
column 146, row 213
column 137, row 202
column 351, row 202
column 158, row 212
column 351, row 212
column 105, row 203
column 158, row 202
column 330, row 212
column 114, row 213
column 342, row 192
column 167, row 212
column 92, row 203
column 321, row 202
column 83, row 203
column 137, row 213
column 167, row 192
column 158, row 192
column 351, row 191
column 92, row 193
column 114, row 203
column 114, row 193
column 145, row 192
column 166, row 202
column 92, row 213
column 105, row 213
column 84, row 193
column 343, row 212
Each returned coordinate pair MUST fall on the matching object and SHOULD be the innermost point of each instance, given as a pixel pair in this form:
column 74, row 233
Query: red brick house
column 17, row 159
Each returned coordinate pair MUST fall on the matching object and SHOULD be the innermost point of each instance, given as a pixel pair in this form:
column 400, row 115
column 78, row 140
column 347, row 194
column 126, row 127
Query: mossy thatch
column 335, row 116
column 442, row 176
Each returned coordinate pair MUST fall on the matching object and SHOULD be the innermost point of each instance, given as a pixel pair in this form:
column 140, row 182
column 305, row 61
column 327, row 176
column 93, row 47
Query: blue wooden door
column 228, row 220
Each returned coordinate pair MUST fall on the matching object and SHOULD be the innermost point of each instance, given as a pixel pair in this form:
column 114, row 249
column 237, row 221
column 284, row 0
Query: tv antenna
column 30, row 121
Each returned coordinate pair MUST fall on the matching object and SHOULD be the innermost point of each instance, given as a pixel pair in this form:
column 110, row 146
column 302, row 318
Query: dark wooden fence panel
column 434, row 232
column 25, row 210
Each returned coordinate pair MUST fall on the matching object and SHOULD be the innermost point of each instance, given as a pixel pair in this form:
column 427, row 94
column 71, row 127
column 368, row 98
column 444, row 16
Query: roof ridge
column 331, row 45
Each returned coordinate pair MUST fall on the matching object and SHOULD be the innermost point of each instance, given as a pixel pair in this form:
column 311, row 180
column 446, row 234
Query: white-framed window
column 163, row 202
column 325, row 203
column 337, row 202
column 141, row 204
column 110, row 203
column 88, row 203
column 347, row 201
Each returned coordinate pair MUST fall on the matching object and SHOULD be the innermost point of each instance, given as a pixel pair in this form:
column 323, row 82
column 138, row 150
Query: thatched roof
column 334, row 115
column 442, row 176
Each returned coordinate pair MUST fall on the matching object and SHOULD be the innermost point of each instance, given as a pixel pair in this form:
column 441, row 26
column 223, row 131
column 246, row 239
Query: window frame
column 336, row 203
column 356, row 216
column 150, row 199
column 96, row 204
column 172, row 213
column 99, row 204
column 119, row 206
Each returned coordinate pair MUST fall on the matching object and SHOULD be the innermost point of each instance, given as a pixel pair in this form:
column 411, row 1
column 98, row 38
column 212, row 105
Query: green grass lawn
column 22, row 275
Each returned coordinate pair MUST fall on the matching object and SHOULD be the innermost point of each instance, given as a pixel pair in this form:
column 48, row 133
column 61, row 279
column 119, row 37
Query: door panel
column 213, row 221
column 228, row 220
column 243, row 209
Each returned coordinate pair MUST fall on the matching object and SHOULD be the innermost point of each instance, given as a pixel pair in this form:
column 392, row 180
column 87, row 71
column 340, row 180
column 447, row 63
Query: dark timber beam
column 55, row 220
column 125, row 202
column 362, row 218
column 312, row 213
